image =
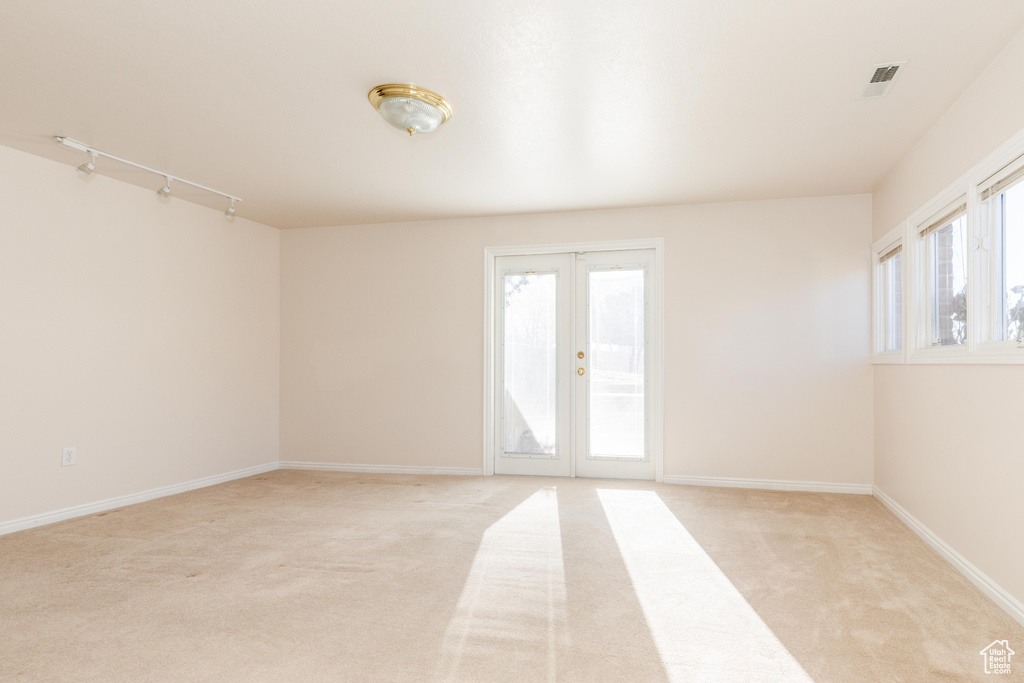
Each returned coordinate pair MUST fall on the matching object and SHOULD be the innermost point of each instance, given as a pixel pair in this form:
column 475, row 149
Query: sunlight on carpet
column 512, row 608
column 703, row 628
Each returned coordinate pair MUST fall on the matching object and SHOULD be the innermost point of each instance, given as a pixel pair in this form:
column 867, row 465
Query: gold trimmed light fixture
column 410, row 108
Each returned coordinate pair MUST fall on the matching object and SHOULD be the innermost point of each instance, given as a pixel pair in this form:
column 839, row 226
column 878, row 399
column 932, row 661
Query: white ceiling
column 559, row 105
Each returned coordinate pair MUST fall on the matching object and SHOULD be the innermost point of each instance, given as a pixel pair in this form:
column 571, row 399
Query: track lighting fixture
column 164, row 192
column 88, row 167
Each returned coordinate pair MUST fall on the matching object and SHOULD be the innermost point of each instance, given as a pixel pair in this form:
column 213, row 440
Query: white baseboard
column 770, row 484
column 993, row 590
column 120, row 501
column 379, row 469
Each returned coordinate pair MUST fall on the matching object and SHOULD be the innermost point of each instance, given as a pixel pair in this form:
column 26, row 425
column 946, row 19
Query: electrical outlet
column 68, row 457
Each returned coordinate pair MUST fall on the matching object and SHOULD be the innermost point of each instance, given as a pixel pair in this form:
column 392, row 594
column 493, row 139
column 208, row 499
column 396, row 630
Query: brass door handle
column 580, row 371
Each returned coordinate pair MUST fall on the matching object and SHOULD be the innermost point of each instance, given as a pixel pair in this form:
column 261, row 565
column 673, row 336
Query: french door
column 576, row 364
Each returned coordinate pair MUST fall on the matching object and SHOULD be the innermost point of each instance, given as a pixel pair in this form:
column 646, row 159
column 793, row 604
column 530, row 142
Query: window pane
column 616, row 315
column 947, row 250
column 529, row 352
column 893, row 274
column 1013, row 261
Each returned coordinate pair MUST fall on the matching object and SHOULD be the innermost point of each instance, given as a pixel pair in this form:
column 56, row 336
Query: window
column 1005, row 208
column 944, row 261
column 949, row 281
column 889, row 298
column 1011, row 247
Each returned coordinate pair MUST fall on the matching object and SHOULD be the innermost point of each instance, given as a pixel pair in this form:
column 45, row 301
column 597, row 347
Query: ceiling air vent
column 882, row 79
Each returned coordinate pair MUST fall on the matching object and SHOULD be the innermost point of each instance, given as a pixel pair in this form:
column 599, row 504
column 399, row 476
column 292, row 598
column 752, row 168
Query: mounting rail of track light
column 88, row 167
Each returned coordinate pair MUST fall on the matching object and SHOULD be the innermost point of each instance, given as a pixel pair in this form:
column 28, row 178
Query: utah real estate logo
column 997, row 657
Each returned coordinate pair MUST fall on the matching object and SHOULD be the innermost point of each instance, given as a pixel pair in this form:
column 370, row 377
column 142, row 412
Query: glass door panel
column 616, row 343
column 530, row 411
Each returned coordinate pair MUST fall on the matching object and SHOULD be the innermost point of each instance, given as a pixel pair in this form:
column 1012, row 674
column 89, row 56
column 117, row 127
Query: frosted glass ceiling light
column 410, row 108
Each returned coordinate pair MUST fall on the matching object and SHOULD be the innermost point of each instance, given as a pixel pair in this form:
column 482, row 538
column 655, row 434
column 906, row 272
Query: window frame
column 991, row 273
column 919, row 346
column 880, row 319
column 983, row 265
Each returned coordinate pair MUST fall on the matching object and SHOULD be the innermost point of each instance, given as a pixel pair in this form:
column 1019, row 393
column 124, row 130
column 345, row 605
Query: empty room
column 512, row 341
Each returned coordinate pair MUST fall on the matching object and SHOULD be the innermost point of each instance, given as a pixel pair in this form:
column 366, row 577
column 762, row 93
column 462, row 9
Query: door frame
column 657, row 429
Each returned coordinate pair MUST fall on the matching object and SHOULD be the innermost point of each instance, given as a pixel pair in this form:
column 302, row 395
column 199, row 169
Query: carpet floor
column 315, row 576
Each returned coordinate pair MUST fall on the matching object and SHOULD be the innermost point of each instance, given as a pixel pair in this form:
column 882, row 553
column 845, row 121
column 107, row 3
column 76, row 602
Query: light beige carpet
column 309, row 576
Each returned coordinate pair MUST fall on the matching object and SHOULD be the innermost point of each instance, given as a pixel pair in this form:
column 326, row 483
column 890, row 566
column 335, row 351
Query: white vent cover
column 882, row 78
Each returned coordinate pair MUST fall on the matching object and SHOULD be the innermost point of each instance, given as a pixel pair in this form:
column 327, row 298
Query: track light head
column 88, row 167
column 230, row 212
column 165, row 191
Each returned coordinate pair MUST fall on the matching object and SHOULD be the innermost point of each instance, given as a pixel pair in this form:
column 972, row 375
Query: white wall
column 986, row 115
column 144, row 333
column 948, row 438
column 766, row 329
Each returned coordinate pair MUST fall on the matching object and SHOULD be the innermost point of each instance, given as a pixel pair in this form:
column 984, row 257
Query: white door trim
column 657, row 303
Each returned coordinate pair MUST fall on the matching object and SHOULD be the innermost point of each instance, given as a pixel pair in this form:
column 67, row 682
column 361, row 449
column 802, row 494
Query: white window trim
column 979, row 293
column 882, row 246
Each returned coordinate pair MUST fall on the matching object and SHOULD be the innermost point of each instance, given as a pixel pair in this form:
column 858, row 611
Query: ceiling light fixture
column 410, row 108
column 164, row 192
column 88, row 167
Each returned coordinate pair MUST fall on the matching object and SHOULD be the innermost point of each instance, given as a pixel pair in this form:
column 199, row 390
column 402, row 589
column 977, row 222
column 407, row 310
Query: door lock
column 579, row 354
column 580, row 371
